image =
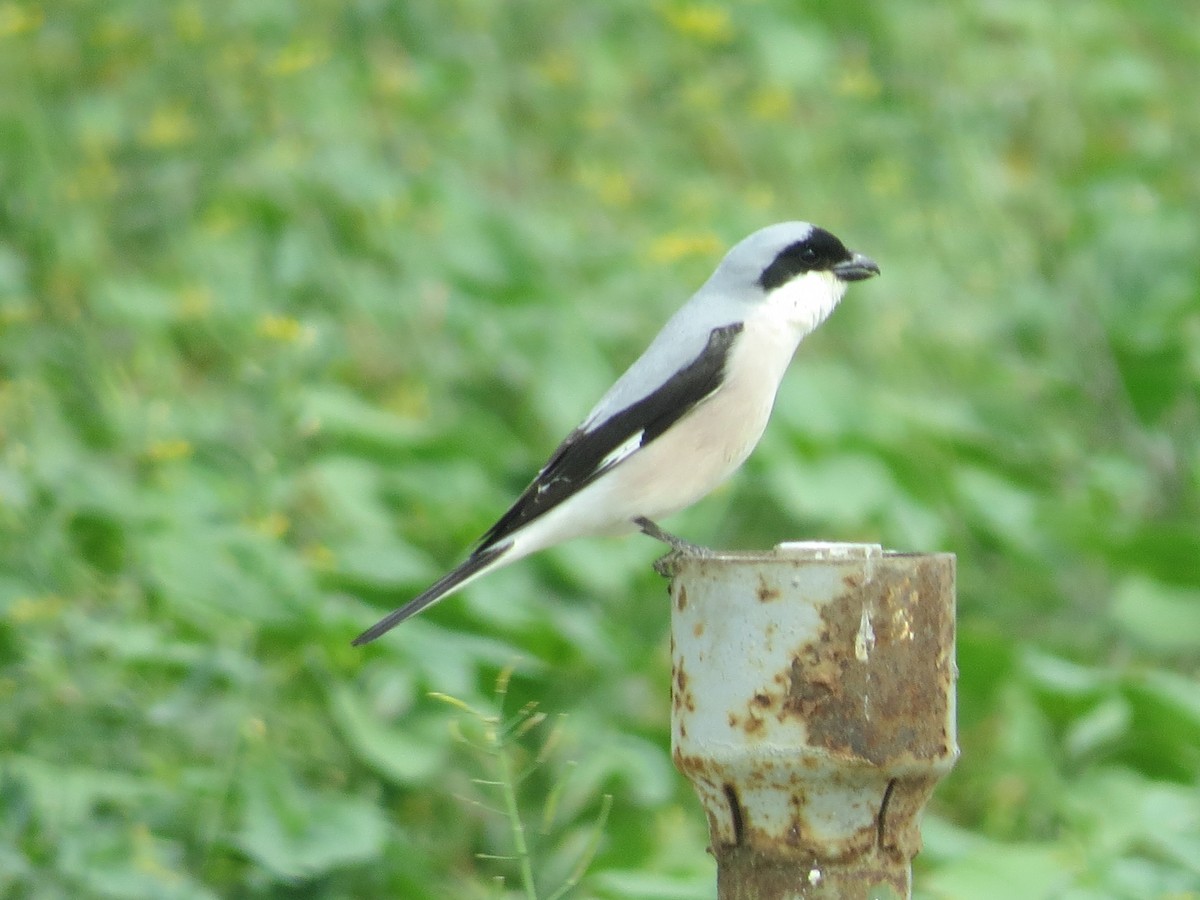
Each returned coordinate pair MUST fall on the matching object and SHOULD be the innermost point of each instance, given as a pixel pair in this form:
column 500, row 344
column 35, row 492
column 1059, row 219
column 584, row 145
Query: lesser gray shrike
column 684, row 416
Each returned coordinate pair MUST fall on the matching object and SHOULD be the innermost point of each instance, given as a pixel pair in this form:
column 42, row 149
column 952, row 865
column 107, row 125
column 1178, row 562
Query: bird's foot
column 666, row 566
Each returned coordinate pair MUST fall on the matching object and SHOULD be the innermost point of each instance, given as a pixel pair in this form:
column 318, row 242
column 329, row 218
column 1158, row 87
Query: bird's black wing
column 586, row 454
column 583, row 456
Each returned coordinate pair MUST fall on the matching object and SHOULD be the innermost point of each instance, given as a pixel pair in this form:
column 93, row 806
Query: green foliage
column 497, row 736
column 294, row 298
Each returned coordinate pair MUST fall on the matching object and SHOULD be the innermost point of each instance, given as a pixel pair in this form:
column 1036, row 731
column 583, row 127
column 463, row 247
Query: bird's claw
column 668, row 565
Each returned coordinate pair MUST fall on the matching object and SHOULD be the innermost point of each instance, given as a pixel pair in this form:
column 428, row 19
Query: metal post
column 813, row 710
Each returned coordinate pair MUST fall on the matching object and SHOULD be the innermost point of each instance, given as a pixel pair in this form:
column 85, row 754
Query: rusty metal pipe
column 813, row 710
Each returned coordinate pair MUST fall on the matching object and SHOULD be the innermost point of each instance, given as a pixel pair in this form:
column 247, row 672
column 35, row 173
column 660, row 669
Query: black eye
column 815, row 253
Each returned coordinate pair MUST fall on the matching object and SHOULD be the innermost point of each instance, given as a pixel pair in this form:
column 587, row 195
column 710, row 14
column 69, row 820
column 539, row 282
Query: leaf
column 1007, row 509
column 64, row 795
column 298, row 833
column 378, row 566
column 1102, row 727
column 846, row 488
column 1158, row 615
column 993, row 871
column 99, row 540
column 348, row 421
column 393, row 752
column 1166, row 706
column 212, row 575
column 627, row 884
column 1063, row 677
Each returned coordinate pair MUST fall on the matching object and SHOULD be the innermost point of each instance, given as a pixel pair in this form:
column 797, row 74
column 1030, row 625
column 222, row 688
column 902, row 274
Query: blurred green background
column 295, row 298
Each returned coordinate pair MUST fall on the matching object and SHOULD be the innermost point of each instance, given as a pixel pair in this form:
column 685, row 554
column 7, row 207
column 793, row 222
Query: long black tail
column 474, row 565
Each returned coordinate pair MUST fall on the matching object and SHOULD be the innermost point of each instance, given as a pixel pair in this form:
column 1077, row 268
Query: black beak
column 856, row 268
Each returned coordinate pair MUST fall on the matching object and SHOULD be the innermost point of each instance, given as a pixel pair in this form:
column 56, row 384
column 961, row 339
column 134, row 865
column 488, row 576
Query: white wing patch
column 633, row 442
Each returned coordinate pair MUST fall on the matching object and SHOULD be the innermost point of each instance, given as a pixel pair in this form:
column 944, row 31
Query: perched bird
column 684, row 416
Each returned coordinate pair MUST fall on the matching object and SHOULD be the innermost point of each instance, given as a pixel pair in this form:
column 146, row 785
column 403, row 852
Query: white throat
column 805, row 302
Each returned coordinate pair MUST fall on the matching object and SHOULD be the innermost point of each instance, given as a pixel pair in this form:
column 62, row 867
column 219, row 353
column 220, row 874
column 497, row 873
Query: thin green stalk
column 508, row 790
column 588, row 854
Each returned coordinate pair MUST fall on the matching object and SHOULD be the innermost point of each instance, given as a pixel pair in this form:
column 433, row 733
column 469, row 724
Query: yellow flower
column 771, row 104
column 35, row 609
column 675, row 246
column 168, row 127
column 706, row 24
column 95, row 178
column 297, row 58
column 220, row 220
column 759, row 196
column 189, row 23
column 612, row 186
column 556, row 68
column 286, row 330
column 319, row 556
column 886, row 178
column 857, row 80
column 195, row 301
column 169, row 449
column 16, row 19
column 409, row 398
column 272, row 525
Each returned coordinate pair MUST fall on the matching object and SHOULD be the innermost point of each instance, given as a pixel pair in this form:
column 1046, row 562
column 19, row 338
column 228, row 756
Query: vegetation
column 295, row 298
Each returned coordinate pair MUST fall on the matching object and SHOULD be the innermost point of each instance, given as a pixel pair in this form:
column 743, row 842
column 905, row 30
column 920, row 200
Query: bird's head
column 794, row 268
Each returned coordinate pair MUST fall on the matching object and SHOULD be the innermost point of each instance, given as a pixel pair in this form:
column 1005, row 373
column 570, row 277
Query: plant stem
column 508, row 789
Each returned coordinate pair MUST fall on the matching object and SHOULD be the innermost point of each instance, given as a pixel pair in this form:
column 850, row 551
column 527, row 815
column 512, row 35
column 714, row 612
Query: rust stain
column 766, row 593
column 754, row 725
column 893, row 702
column 681, row 598
column 689, row 763
column 771, row 876
column 698, row 629
column 682, row 697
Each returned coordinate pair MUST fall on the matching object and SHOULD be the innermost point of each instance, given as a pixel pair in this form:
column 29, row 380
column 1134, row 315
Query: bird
column 683, row 417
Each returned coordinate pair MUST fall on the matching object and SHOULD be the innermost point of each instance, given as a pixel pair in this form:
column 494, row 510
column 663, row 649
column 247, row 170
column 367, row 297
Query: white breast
column 706, row 446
